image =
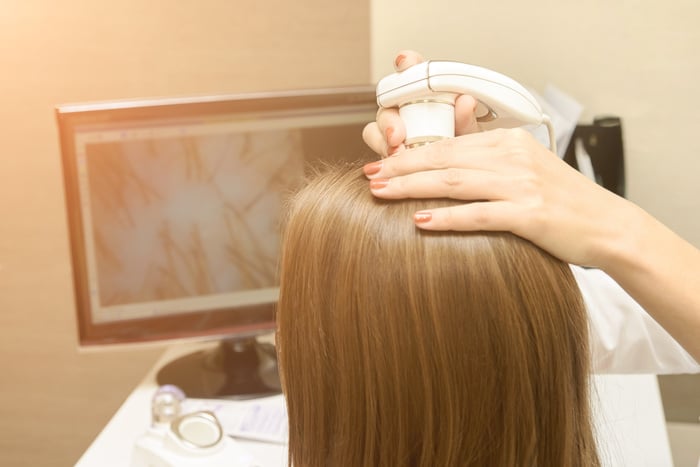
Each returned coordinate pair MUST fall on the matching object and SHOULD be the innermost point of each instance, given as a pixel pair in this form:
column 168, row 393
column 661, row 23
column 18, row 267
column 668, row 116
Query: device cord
column 550, row 131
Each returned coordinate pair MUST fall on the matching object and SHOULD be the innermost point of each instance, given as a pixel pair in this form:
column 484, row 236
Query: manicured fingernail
column 399, row 58
column 389, row 133
column 378, row 183
column 372, row 168
column 421, row 217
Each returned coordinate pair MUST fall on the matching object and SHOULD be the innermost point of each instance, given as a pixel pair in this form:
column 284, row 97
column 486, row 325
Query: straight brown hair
column 403, row 347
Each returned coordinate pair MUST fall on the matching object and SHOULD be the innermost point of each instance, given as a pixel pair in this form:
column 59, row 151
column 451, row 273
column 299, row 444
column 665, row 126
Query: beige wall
column 635, row 59
column 53, row 398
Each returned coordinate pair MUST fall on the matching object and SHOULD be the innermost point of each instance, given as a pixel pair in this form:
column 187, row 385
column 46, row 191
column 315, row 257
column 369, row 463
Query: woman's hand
column 510, row 182
column 386, row 136
column 513, row 184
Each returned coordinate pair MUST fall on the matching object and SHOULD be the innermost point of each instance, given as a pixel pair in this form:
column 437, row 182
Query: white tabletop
column 628, row 413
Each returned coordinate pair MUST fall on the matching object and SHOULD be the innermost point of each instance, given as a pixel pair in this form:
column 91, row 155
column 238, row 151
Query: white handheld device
column 425, row 95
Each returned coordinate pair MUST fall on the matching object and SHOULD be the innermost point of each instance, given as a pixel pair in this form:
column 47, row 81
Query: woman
column 400, row 346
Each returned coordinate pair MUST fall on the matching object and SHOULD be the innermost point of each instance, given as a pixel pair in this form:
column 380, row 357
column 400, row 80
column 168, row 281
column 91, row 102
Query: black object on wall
column 602, row 140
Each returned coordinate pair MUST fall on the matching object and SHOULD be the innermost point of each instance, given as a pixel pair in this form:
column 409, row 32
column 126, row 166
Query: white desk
column 113, row 446
column 628, row 413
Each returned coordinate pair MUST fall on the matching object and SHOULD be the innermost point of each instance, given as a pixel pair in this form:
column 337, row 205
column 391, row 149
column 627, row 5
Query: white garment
column 624, row 338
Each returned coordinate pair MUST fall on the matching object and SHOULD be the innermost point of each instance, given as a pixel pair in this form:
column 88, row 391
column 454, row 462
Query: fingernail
column 399, row 58
column 378, row 183
column 422, row 217
column 393, row 150
column 372, row 168
column 389, row 133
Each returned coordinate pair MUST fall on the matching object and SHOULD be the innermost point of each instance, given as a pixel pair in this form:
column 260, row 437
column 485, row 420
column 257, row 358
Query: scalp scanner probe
column 425, row 95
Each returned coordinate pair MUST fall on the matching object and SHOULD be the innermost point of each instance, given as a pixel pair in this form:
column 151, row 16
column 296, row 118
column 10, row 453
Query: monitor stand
column 238, row 368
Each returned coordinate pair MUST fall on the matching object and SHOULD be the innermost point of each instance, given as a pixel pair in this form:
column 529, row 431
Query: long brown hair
column 402, row 347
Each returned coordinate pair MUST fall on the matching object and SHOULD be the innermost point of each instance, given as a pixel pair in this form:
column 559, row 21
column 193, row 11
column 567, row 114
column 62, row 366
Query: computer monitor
column 174, row 208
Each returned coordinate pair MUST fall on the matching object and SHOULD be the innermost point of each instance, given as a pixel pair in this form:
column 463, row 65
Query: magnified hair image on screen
column 199, row 216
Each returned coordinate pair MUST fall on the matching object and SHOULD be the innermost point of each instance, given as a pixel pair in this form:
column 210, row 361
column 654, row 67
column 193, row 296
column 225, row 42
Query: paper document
column 263, row 419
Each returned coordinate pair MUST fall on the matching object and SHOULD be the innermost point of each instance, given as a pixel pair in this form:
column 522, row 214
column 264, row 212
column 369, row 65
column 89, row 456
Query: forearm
column 662, row 272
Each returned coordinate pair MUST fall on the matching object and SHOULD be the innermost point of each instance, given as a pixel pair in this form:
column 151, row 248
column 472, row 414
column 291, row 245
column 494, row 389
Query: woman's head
column 405, row 347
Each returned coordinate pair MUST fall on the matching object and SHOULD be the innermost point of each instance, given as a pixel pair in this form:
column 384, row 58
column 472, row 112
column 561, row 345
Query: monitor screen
column 174, row 205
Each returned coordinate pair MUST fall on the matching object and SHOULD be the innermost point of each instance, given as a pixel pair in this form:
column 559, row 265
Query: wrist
column 659, row 269
column 625, row 246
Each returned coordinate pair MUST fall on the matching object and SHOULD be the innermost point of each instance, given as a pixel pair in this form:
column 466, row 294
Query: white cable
column 550, row 131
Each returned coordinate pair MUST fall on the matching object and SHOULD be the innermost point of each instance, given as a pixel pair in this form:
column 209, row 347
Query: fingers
column 372, row 136
column 461, row 184
column 386, row 135
column 476, row 150
column 391, row 127
column 406, row 59
column 465, row 115
column 487, row 216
